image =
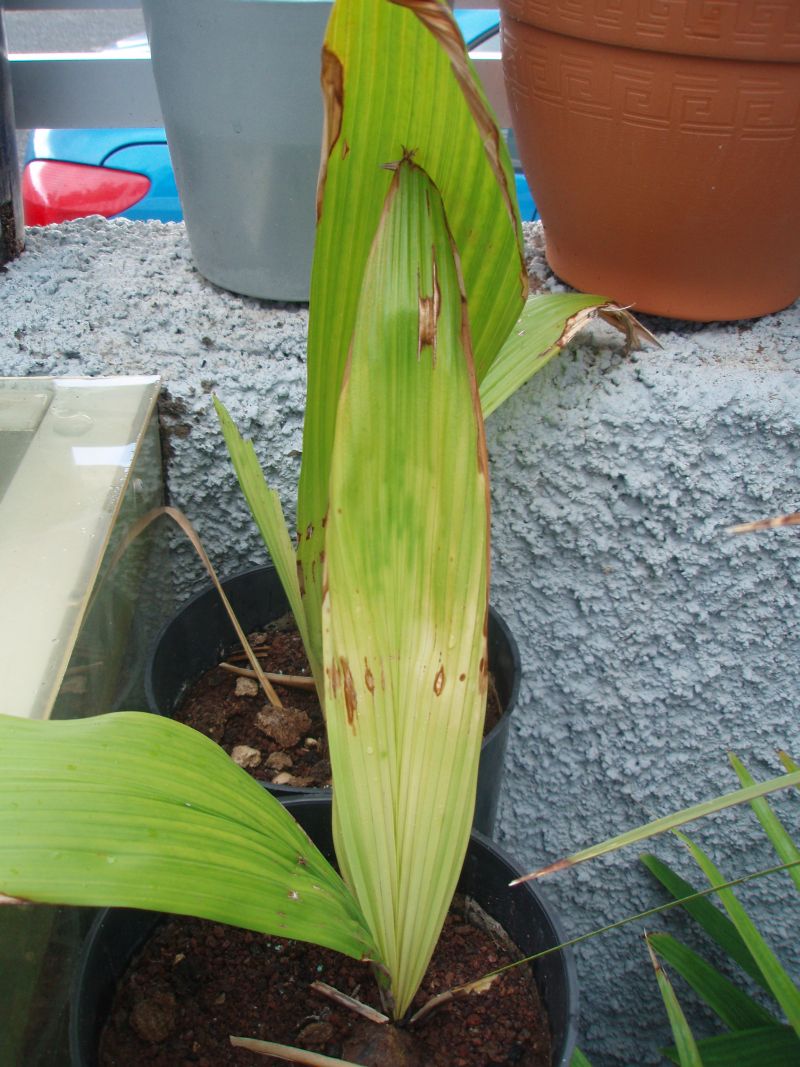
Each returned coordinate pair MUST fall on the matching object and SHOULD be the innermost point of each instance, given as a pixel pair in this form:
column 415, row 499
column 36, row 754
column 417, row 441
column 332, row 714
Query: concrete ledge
column 651, row 641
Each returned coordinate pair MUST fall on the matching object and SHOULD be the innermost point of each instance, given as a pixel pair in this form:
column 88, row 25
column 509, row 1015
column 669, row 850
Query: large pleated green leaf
column 548, row 322
column 134, row 810
column 405, row 609
column 396, row 79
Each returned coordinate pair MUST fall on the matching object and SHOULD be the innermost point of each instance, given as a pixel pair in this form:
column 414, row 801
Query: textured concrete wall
column 651, row 641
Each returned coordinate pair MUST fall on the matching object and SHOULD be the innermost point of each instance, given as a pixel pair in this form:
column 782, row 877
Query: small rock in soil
column 246, row 687
column 284, row 725
column 381, row 1045
column 284, row 778
column 316, row 1036
column 153, row 1019
column 245, row 756
column 278, row 761
column 320, row 773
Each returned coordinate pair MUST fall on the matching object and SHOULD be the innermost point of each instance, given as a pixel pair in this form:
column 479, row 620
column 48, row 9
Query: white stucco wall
column 651, row 641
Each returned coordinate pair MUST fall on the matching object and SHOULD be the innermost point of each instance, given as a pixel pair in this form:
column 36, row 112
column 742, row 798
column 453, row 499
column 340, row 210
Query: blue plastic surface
column 144, row 150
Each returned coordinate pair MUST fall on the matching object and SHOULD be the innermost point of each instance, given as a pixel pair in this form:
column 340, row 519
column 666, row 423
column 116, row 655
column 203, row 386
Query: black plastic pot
column 12, row 231
column 523, row 912
column 201, row 635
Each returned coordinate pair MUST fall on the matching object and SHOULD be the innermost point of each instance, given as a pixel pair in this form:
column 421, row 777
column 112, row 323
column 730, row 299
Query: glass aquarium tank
column 80, row 466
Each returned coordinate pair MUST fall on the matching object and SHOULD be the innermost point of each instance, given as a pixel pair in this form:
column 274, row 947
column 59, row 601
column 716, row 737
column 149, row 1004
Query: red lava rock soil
column 286, row 747
column 197, row 982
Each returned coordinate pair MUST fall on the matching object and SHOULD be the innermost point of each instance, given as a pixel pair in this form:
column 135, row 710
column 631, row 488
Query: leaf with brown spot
column 332, row 83
column 429, row 307
column 407, row 570
column 549, row 321
column 438, row 19
column 438, row 682
column 397, row 81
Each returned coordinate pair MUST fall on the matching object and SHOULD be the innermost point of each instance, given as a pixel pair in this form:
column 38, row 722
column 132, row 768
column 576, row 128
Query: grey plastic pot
column 238, row 83
column 200, row 634
column 524, row 913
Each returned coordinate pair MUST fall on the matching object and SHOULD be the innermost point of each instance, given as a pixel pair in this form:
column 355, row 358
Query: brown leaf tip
column 12, row 900
column 553, row 868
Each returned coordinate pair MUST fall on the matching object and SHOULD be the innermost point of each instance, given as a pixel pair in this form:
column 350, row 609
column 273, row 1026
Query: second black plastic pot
column 523, row 912
column 200, row 635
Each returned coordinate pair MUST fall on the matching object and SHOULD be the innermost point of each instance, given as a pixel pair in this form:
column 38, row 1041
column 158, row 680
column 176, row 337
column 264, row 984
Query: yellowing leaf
column 396, row 80
column 405, row 604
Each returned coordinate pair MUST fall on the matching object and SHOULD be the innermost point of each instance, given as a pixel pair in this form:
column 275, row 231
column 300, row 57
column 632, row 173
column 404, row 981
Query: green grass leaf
column 788, row 762
column 668, row 822
column 783, row 988
column 579, row 1059
column 735, row 1008
column 768, row 1046
column 135, row 810
column 717, row 925
column 773, row 828
column 685, row 1044
column 404, row 626
column 266, row 509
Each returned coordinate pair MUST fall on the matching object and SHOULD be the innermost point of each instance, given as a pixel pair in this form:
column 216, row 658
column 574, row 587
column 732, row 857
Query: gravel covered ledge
column 651, row 641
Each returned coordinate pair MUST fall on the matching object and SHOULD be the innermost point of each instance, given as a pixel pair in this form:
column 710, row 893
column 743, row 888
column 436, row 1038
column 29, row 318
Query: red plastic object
column 53, row 191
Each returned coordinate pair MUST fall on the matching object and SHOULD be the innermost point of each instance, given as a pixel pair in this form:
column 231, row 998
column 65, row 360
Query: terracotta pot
column 661, row 143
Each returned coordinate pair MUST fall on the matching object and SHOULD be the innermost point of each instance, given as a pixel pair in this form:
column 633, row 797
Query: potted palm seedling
column 418, row 280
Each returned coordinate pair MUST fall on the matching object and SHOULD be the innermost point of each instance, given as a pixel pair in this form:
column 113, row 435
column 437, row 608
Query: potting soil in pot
column 286, row 746
column 196, row 983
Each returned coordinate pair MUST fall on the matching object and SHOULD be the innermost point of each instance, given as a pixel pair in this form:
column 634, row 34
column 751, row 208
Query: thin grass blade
column 404, row 627
column 717, row 925
column 785, row 847
column 579, row 1059
column 265, row 505
column 769, row 1046
column 783, row 988
column 135, row 810
column 788, row 762
column 667, row 822
column 685, row 1044
column 289, row 1054
column 734, row 1007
